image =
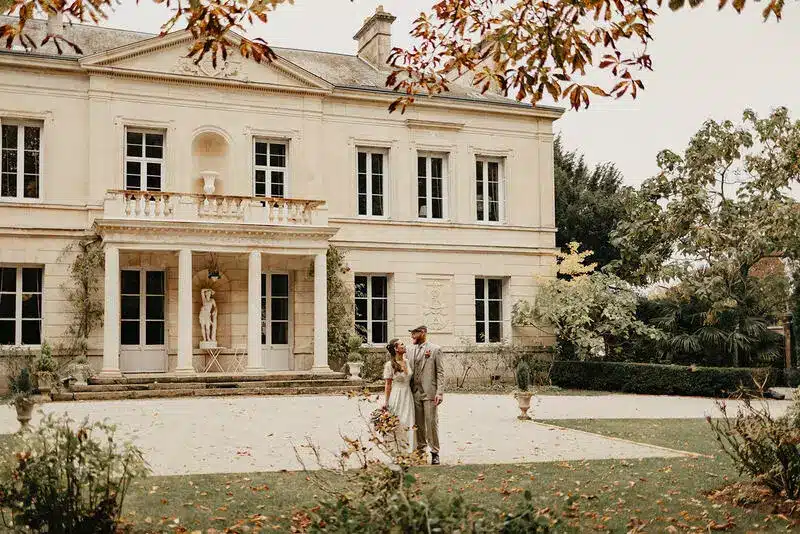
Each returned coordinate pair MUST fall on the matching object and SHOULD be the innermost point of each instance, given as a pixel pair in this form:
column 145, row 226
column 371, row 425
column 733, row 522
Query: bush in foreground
column 68, row 479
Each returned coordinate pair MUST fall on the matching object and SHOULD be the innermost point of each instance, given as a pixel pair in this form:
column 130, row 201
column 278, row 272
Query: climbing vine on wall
column 340, row 308
column 82, row 293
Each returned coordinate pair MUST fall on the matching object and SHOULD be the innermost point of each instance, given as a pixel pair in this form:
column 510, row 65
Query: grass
column 656, row 495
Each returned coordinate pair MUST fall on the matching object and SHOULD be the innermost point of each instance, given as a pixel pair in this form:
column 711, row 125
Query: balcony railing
column 189, row 207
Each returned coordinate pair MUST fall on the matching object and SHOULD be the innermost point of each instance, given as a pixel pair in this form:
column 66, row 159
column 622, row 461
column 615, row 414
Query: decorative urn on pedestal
column 522, row 394
column 209, row 181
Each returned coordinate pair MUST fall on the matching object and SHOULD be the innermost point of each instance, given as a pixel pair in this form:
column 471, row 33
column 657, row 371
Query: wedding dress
column 401, row 404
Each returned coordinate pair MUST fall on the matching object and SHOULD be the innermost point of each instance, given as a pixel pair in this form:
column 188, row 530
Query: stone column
column 254, row 358
column 185, row 360
column 321, row 314
column 111, row 339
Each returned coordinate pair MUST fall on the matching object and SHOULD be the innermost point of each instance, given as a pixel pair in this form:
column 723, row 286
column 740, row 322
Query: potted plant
column 80, row 370
column 522, row 394
column 355, row 356
column 45, row 366
column 21, row 396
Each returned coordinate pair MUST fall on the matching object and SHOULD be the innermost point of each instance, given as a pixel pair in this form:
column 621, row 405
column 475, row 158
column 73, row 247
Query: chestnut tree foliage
column 524, row 49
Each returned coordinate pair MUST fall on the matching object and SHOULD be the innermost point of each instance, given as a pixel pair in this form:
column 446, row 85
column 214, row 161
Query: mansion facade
column 238, row 177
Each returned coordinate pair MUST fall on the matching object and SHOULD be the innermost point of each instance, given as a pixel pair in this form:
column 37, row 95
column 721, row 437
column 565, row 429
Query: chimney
column 375, row 38
column 55, row 24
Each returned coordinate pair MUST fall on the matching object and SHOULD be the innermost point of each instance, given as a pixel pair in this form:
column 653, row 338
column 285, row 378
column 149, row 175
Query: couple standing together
column 414, row 390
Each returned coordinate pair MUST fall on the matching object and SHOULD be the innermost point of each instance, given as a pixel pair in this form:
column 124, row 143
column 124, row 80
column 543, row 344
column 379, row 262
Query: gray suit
column 426, row 383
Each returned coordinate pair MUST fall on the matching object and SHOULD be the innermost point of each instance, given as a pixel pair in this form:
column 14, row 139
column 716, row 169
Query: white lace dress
column 401, row 404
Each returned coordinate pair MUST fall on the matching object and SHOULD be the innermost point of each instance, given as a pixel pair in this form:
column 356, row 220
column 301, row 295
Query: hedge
column 658, row 379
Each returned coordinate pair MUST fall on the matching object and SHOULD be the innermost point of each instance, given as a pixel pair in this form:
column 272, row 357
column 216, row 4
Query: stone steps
column 238, row 390
column 212, row 377
column 213, row 385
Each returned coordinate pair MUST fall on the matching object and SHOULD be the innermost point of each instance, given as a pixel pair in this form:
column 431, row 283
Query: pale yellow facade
column 210, row 119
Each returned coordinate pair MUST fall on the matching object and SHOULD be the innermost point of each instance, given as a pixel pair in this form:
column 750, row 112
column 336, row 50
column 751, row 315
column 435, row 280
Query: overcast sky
column 706, row 64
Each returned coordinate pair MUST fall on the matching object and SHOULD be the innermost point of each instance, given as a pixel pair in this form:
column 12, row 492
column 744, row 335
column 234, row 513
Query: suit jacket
column 428, row 378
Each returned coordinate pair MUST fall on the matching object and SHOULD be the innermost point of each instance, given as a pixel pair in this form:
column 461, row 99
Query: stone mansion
column 238, row 177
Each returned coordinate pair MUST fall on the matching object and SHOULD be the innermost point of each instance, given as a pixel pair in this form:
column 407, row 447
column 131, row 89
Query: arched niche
column 211, row 154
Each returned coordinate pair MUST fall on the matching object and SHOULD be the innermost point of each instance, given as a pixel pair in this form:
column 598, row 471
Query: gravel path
column 246, row 434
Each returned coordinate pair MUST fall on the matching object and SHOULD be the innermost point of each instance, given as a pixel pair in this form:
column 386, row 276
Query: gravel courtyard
column 247, row 434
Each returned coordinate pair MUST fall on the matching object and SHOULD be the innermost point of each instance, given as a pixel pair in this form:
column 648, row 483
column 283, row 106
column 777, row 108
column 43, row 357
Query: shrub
column 762, row 446
column 64, row 480
column 657, row 379
column 44, row 362
column 20, row 386
column 373, row 365
column 523, row 376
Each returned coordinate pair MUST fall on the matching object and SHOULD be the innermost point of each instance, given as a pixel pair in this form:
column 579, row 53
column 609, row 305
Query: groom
column 427, row 386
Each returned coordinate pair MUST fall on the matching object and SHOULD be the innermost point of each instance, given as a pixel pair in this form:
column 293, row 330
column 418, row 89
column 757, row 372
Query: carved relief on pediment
column 226, row 69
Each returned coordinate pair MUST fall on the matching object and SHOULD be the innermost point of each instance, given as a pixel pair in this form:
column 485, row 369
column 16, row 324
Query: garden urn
column 355, row 370
column 524, row 401
column 209, row 181
column 24, row 408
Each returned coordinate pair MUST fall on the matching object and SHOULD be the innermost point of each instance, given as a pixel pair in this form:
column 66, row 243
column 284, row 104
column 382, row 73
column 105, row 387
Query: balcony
column 136, row 206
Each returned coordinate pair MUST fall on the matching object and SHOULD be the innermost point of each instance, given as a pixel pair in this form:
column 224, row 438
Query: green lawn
column 596, row 496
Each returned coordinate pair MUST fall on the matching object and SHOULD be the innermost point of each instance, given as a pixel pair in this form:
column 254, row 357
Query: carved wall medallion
column 436, row 302
column 226, row 68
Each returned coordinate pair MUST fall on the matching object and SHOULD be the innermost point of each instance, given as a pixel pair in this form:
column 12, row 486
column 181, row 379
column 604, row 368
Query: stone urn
column 355, row 370
column 524, row 401
column 44, row 381
column 209, row 181
column 24, row 406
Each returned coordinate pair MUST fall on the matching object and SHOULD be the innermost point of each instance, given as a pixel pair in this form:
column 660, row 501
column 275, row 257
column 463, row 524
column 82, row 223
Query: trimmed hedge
column 658, row 379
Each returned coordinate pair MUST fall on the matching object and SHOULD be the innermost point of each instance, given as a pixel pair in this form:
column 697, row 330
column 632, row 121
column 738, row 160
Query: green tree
column 523, row 48
column 589, row 203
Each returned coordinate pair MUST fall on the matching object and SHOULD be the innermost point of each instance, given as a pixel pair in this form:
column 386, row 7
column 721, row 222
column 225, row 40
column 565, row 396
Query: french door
column 276, row 322
column 142, row 321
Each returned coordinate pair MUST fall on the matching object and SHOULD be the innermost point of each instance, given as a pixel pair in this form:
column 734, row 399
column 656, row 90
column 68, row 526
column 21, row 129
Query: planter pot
column 209, row 181
column 44, row 382
column 355, row 370
column 524, row 401
column 24, row 411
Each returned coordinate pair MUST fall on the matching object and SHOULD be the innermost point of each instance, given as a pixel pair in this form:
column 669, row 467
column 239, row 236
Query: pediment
column 168, row 56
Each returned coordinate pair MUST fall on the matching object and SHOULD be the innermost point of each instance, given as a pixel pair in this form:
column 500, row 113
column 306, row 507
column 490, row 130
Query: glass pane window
column 144, row 160
column 371, row 179
column 142, row 307
column 269, row 168
column 275, row 309
column 21, row 294
column 488, row 310
column 20, row 157
column 431, row 186
column 372, row 308
column 488, row 188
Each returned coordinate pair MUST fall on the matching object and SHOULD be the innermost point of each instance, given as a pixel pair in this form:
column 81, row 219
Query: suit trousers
column 426, row 419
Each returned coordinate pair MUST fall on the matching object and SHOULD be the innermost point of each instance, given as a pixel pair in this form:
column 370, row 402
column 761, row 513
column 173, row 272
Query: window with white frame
column 488, row 310
column 274, row 309
column 488, row 188
column 144, row 159
column 20, row 159
column 21, row 305
column 371, row 171
column 372, row 308
column 431, row 186
column 270, row 168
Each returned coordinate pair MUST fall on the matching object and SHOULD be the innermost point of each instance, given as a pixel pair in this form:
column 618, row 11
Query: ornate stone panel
column 225, row 68
column 436, row 298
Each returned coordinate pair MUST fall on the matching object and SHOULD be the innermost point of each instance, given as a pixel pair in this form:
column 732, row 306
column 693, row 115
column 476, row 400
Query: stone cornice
column 434, row 125
column 441, row 225
column 443, row 247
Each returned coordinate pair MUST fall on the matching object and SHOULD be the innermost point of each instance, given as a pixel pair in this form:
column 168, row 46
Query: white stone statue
column 208, row 319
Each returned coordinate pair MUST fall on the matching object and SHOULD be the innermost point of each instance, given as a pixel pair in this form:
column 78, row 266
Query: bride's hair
column 392, row 348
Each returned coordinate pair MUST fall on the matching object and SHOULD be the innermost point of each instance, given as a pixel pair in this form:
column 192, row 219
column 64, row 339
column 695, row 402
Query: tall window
column 144, row 160
column 371, row 182
column 142, row 312
column 274, row 309
column 270, row 168
column 488, row 310
column 488, row 181
column 372, row 308
column 20, row 159
column 20, row 305
column 431, row 184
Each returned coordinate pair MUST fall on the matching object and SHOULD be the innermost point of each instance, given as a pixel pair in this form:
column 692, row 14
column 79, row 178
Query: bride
column 398, row 399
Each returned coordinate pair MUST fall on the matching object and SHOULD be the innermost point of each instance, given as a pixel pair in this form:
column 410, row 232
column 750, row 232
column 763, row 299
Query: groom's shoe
column 434, row 458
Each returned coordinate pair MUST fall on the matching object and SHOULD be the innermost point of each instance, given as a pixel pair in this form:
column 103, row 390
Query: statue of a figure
column 208, row 318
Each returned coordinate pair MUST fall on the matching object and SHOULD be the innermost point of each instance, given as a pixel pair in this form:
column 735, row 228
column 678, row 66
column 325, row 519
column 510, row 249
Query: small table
column 214, row 354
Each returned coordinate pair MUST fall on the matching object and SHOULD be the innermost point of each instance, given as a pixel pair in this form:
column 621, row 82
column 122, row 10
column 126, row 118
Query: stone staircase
column 213, row 385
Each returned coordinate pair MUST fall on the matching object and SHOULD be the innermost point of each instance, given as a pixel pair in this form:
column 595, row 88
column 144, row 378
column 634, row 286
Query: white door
column 142, row 321
column 276, row 321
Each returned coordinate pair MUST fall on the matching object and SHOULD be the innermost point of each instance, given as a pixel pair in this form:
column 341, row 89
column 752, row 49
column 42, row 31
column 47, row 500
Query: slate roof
column 340, row 70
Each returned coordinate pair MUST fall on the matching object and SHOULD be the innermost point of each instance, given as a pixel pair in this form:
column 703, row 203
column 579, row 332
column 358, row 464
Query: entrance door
column 276, row 325
column 142, row 321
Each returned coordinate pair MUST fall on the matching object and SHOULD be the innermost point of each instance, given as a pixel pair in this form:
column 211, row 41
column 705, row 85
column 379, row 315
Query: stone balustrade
column 190, row 207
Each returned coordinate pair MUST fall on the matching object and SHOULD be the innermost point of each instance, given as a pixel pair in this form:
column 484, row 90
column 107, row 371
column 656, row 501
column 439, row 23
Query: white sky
column 706, row 64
